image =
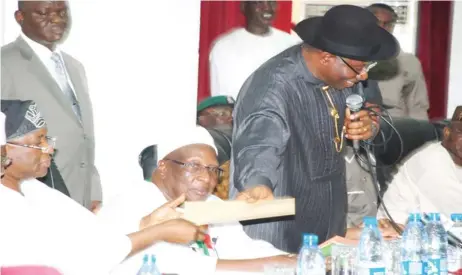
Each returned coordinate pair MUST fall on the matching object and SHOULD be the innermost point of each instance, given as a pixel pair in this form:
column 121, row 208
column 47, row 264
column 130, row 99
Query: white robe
column 44, row 227
column 231, row 242
column 428, row 181
column 238, row 53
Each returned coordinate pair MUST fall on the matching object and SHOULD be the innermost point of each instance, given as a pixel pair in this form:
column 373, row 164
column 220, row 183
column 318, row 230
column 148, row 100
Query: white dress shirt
column 44, row 54
column 428, row 181
column 43, row 227
column 230, row 241
column 237, row 54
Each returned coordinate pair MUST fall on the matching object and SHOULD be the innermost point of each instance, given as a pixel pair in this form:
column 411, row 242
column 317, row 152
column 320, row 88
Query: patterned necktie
column 64, row 84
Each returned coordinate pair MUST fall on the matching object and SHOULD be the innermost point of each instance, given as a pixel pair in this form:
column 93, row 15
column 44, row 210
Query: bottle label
column 377, row 271
column 436, row 266
column 413, row 267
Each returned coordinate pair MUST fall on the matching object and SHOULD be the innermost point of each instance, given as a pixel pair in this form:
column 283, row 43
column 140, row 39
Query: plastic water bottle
column 154, row 270
column 145, row 268
column 310, row 259
column 149, row 267
column 413, row 247
column 370, row 259
column 437, row 246
column 455, row 263
column 457, row 227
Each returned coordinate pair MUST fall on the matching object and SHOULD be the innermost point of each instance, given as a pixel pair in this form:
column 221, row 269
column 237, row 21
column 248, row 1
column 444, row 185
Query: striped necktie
column 63, row 83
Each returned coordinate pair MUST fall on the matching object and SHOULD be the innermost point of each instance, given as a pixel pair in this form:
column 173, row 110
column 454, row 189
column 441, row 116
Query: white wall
column 455, row 65
column 141, row 58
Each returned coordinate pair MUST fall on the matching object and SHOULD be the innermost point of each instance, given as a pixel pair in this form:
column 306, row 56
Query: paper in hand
column 214, row 212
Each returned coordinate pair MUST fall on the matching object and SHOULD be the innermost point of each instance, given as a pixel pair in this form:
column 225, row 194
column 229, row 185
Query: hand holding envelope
column 166, row 212
column 217, row 211
column 257, row 193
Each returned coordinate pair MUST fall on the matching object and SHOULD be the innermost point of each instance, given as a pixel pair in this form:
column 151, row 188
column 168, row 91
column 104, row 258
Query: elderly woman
column 45, row 227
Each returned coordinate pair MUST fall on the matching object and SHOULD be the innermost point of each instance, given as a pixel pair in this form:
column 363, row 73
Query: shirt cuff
column 259, row 180
column 398, row 217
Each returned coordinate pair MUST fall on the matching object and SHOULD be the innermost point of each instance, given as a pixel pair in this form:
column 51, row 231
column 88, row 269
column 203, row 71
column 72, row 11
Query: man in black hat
column 290, row 121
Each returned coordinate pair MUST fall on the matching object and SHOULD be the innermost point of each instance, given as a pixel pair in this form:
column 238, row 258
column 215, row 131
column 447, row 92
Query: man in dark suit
column 33, row 68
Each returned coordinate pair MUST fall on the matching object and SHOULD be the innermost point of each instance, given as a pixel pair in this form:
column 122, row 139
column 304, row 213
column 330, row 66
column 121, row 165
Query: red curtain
column 433, row 50
column 218, row 17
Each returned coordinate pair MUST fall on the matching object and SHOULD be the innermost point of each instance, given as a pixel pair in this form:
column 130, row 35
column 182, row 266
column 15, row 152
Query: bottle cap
column 310, row 239
column 456, row 217
column 415, row 217
column 370, row 221
column 434, row 217
column 153, row 259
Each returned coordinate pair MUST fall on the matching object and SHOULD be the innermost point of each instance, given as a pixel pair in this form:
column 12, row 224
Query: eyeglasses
column 367, row 66
column 51, row 142
column 197, row 168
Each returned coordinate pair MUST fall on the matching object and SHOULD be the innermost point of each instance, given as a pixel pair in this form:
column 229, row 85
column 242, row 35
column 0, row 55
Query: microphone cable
column 375, row 182
column 371, row 167
column 384, row 143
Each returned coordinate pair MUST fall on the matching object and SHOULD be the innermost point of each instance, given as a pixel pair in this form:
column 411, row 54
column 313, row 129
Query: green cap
column 215, row 101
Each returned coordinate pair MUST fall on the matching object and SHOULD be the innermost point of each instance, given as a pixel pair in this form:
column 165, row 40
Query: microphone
column 354, row 102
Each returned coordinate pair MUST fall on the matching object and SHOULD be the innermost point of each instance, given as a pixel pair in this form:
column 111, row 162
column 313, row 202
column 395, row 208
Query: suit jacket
column 25, row 77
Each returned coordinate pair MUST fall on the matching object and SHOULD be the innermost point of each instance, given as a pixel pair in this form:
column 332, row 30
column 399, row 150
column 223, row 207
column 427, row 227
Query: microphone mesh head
column 354, row 102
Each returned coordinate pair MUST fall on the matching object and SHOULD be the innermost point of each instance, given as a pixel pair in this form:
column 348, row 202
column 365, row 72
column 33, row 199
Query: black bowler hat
column 349, row 31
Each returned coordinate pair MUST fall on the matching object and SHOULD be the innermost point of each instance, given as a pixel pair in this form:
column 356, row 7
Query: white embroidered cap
column 196, row 135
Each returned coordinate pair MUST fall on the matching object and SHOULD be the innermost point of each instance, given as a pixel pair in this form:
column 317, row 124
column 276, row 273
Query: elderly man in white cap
column 188, row 167
column 69, row 237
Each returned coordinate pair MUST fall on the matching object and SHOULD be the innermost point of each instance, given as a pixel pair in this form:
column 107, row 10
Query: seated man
column 148, row 162
column 215, row 113
column 431, row 179
column 43, row 227
column 189, row 167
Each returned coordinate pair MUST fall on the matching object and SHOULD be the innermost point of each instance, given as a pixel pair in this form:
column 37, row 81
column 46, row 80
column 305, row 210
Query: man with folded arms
column 188, row 167
column 69, row 237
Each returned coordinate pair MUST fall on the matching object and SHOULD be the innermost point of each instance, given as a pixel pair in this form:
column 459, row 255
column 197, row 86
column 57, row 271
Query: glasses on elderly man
column 51, row 141
column 197, row 168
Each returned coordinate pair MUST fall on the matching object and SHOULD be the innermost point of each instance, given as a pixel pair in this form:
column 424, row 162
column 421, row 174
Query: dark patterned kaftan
column 283, row 137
